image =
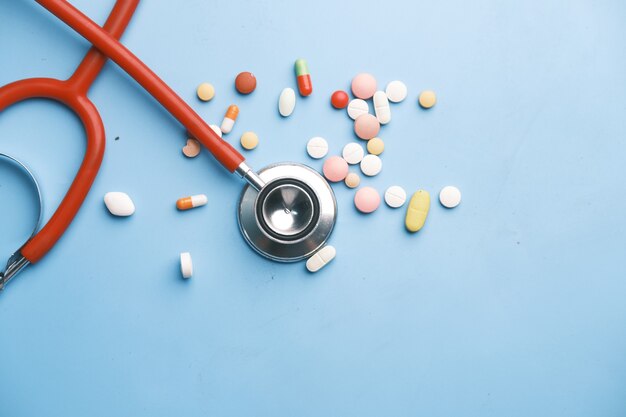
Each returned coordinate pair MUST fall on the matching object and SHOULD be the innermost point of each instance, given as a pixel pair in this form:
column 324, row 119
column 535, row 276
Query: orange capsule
column 187, row 203
column 229, row 118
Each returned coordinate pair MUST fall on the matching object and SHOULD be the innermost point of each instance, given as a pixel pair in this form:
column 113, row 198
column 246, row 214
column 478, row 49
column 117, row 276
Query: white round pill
column 317, row 147
column 353, row 153
column 216, row 129
column 186, row 265
column 450, row 196
column 371, row 165
column 396, row 91
column 395, row 196
column 357, row 107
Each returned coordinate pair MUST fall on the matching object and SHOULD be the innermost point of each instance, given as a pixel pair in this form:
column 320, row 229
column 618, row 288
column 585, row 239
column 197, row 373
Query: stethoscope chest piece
column 292, row 216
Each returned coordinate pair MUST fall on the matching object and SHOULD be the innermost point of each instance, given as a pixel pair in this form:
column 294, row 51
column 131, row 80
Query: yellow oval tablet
column 205, row 91
column 249, row 140
column 427, row 99
column 417, row 211
column 375, row 146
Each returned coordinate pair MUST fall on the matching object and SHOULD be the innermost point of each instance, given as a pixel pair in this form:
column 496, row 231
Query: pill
column 371, row 165
column 192, row 148
column 427, row 99
column 353, row 180
column 364, row 86
column 335, row 169
column 205, row 91
column 381, row 107
column 119, row 204
column 321, row 258
column 245, row 82
column 353, row 153
column 303, row 77
column 366, row 126
column 229, row 118
column 286, row 102
column 450, row 196
column 357, row 107
column 216, row 129
column 395, row 196
column 249, row 140
column 339, row 99
column 375, row 146
column 366, row 199
column 396, row 91
column 417, row 211
column 186, row 265
column 194, row 201
column 317, row 147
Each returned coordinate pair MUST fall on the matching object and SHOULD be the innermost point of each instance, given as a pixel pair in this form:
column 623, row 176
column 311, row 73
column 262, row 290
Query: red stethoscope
column 286, row 212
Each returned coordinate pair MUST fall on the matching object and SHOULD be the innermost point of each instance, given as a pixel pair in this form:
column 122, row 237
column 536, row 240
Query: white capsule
column 353, row 153
column 371, row 165
column 286, row 102
column 119, row 204
column 186, row 265
column 317, row 147
column 321, row 258
column 395, row 196
column 396, row 91
column 381, row 107
column 357, row 107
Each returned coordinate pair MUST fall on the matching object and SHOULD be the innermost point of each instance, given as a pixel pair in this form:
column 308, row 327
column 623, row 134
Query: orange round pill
column 245, row 82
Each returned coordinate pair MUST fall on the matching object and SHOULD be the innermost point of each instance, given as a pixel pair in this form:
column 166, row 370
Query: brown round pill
column 245, row 82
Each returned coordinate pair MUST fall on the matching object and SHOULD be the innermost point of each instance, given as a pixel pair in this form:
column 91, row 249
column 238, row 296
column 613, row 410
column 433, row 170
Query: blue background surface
column 510, row 305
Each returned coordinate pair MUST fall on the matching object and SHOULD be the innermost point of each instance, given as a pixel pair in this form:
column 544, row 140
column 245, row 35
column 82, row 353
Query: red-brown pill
column 245, row 82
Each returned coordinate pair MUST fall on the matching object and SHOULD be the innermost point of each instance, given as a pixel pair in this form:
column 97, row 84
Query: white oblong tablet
column 119, row 204
column 317, row 147
column 321, row 258
column 186, row 265
column 395, row 196
column 381, row 107
column 396, row 91
column 216, row 129
column 450, row 196
column 357, row 107
column 286, row 102
column 353, row 153
column 371, row 165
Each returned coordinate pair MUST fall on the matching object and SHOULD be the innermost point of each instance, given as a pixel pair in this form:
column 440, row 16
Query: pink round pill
column 366, row 199
column 366, row 126
column 364, row 86
column 335, row 169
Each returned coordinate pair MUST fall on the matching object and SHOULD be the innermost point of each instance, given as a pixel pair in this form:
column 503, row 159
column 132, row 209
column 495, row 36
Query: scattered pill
column 205, row 91
column 229, row 118
column 450, row 196
column 216, row 129
column 192, row 148
column 427, row 99
column 303, row 77
column 335, row 169
column 371, row 165
column 364, row 86
column 321, row 258
column 286, row 102
column 317, row 147
column 357, row 107
column 353, row 180
column 366, row 199
column 249, row 140
column 353, row 153
column 395, row 196
column 186, row 265
column 339, row 99
column 245, row 82
column 381, row 107
column 375, row 146
column 194, row 201
column 417, row 211
column 396, row 91
column 119, row 204
column 366, row 126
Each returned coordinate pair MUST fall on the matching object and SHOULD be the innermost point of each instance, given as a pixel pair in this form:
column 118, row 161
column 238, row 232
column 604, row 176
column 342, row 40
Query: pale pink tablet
column 335, row 169
column 366, row 199
column 364, row 86
column 366, row 126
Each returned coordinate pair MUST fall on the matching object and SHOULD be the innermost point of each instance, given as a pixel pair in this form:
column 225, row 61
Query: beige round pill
column 375, row 146
column 352, row 180
column 427, row 99
column 206, row 91
column 249, row 140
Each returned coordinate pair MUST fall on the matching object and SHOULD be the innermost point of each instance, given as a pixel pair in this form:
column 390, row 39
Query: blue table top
column 511, row 304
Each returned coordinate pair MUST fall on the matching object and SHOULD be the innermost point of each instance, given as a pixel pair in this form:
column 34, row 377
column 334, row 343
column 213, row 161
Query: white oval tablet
column 353, row 153
column 216, row 129
column 450, row 196
column 317, row 147
column 381, row 107
column 371, row 165
column 119, row 204
column 321, row 258
column 186, row 265
column 395, row 196
column 396, row 91
column 357, row 107
column 286, row 102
